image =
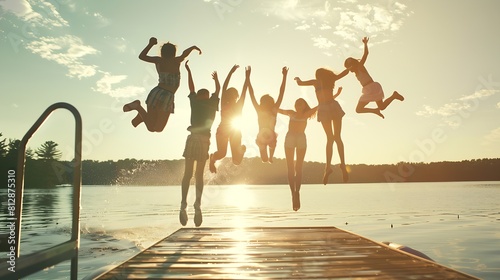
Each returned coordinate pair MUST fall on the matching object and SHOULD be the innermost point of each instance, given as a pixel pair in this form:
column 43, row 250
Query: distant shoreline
column 251, row 171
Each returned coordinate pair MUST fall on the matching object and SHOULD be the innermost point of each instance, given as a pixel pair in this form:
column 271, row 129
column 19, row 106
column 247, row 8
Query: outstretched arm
column 285, row 112
column 190, row 78
column 226, row 82
column 365, row 54
column 243, row 95
column 187, row 51
column 248, row 70
column 304, row 83
column 217, row 84
column 144, row 53
column 284, row 71
column 342, row 74
column 339, row 90
column 311, row 112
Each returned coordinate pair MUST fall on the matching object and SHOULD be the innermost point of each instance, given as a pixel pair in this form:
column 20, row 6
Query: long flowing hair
column 306, row 107
column 326, row 77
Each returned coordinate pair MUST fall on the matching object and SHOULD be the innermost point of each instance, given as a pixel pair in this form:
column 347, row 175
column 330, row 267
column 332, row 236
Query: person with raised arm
column 296, row 145
column 372, row 91
column 160, row 100
column 228, row 131
column 267, row 111
column 330, row 115
column 203, row 109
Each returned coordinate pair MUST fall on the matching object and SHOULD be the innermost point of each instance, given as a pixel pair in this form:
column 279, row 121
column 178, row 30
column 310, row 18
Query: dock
column 275, row 253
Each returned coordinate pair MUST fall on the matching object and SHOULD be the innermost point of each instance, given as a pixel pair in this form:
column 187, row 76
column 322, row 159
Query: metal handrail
column 29, row 264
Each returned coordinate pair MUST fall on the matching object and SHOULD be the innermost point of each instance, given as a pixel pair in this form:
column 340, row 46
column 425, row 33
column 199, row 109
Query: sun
column 237, row 122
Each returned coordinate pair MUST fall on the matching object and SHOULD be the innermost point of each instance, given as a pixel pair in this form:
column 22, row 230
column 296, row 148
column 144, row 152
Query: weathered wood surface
column 275, row 253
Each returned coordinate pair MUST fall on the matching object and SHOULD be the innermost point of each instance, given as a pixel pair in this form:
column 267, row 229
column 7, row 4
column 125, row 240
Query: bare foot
column 137, row 120
column 345, row 174
column 131, row 106
column 297, row 201
column 398, row 96
column 379, row 114
column 211, row 165
column 294, row 201
column 327, row 173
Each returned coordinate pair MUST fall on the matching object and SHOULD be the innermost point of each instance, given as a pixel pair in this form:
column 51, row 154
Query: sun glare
column 237, row 122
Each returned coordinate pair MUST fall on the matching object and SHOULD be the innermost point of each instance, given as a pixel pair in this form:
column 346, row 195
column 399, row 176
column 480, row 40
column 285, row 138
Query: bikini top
column 169, row 79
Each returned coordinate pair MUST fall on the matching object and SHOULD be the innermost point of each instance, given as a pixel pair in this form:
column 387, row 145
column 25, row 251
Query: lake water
column 457, row 224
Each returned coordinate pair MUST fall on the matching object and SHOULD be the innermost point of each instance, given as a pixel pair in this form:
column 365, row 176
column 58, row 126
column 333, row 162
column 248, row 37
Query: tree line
column 45, row 169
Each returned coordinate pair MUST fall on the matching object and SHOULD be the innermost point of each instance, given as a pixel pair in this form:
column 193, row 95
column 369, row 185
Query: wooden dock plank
column 275, row 253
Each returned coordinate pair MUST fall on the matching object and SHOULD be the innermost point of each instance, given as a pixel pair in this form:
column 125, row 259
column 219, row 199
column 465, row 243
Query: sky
column 442, row 56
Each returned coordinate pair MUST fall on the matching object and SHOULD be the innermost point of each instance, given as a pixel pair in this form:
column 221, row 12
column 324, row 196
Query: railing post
column 77, row 182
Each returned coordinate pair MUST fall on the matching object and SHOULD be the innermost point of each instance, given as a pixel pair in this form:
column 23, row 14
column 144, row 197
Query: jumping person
column 296, row 145
column 203, row 110
column 267, row 111
column 160, row 101
column 330, row 115
column 227, row 132
column 372, row 91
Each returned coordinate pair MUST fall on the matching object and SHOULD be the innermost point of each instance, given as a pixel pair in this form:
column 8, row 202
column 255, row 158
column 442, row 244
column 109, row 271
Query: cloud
column 347, row 20
column 67, row 51
column 443, row 111
column 462, row 107
column 370, row 20
column 492, row 137
column 42, row 13
column 107, row 82
column 322, row 42
column 479, row 94
column 18, row 7
column 304, row 26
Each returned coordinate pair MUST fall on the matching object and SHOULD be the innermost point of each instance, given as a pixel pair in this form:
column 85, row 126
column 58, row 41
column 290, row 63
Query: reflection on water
column 455, row 224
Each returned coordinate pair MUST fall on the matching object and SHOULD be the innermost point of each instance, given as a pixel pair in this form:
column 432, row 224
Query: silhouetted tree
column 48, row 151
column 3, row 147
column 30, row 154
column 12, row 149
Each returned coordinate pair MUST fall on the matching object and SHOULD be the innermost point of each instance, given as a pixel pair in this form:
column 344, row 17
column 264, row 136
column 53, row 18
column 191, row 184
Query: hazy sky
column 443, row 56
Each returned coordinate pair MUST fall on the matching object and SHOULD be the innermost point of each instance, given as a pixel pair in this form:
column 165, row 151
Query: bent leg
column 237, row 150
column 131, row 106
column 263, row 153
column 149, row 117
column 271, row 153
column 222, row 139
column 395, row 96
column 137, row 120
column 161, row 120
column 361, row 108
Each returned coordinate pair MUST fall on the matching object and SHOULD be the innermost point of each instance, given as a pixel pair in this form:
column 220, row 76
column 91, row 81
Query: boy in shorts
column 203, row 108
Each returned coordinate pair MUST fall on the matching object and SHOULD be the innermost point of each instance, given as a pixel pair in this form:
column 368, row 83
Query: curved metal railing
column 21, row 266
